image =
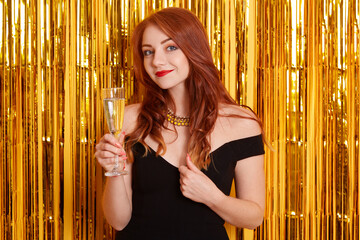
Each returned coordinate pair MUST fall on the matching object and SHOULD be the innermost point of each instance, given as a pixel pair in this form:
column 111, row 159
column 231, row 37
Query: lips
column 162, row 73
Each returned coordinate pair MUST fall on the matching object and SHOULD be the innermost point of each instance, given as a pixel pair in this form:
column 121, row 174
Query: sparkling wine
column 114, row 114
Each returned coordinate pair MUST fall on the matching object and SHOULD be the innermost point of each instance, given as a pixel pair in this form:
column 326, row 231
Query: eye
column 171, row 48
column 147, row 52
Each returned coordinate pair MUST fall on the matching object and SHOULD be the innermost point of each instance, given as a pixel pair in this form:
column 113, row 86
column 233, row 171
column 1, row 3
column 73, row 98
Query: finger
column 183, row 170
column 111, row 139
column 107, row 163
column 110, row 148
column 121, row 138
column 104, row 158
column 190, row 164
column 182, row 189
column 100, row 155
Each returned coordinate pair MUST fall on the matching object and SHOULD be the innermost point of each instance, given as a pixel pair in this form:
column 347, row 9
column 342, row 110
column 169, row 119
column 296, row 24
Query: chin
column 164, row 86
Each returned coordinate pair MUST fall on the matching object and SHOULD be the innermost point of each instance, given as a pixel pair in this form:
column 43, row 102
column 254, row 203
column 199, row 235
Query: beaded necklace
column 176, row 120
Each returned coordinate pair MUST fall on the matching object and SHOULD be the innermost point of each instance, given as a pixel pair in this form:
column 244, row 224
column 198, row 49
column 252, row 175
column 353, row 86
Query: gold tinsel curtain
column 308, row 71
column 295, row 62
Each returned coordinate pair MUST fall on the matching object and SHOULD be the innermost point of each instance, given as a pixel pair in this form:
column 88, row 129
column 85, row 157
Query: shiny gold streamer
column 55, row 57
column 308, row 64
column 295, row 62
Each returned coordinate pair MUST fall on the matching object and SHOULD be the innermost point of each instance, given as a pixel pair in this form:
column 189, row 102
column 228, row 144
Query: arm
column 244, row 211
column 247, row 209
column 117, row 194
column 116, row 200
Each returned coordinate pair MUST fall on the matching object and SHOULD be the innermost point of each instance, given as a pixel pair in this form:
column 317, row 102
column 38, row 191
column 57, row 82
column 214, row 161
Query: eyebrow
column 162, row 42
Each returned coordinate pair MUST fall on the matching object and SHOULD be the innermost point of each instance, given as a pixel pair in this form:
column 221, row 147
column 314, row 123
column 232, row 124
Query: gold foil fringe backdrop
column 308, row 65
column 55, row 56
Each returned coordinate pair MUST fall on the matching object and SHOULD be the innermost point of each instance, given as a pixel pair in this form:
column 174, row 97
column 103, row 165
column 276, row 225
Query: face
column 165, row 63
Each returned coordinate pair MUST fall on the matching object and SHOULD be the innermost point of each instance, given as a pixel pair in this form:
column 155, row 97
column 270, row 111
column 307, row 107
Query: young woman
column 185, row 143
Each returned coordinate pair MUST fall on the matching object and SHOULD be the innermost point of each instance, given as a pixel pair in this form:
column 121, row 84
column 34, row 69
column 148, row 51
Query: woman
column 181, row 168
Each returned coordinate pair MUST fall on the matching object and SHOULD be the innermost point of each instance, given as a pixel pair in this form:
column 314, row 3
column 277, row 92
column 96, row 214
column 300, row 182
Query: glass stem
column 116, row 163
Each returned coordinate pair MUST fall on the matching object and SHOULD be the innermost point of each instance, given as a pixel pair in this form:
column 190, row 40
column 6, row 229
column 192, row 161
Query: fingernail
column 123, row 132
column 188, row 156
column 118, row 145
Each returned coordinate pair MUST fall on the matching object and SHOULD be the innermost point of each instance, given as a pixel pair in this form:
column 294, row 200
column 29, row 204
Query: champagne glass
column 114, row 105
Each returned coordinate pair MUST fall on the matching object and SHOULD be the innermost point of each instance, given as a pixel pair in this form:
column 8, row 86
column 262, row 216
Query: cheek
column 147, row 67
column 186, row 67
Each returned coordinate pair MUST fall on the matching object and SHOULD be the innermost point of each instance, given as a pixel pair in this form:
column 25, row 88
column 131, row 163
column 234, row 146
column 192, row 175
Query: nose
column 159, row 58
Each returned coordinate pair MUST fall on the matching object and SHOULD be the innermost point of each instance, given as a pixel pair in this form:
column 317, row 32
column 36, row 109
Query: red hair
column 204, row 85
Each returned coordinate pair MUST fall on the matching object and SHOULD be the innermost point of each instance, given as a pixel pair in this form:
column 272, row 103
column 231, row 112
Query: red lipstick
column 162, row 73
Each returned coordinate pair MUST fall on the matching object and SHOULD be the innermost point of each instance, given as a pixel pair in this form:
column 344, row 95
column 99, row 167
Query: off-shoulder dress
column 161, row 212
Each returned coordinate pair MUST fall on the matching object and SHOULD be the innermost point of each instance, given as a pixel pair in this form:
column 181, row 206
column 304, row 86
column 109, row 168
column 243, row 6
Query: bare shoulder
column 132, row 110
column 237, row 122
column 130, row 116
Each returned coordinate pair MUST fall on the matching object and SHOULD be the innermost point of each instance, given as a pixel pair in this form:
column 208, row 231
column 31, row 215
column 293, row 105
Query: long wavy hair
column 203, row 83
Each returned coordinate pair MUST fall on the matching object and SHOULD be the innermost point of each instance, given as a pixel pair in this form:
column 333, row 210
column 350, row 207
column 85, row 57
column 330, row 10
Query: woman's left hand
column 195, row 185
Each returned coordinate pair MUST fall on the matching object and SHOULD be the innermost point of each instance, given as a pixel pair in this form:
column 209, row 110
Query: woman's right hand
column 108, row 148
column 117, row 192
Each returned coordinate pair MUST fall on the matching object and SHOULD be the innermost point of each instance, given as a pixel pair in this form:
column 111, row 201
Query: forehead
column 153, row 35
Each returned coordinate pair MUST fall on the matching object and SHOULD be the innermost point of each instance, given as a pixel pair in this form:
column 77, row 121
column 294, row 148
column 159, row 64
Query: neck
column 181, row 101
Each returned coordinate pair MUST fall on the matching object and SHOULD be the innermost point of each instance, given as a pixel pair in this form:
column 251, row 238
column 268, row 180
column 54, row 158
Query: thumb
column 121, row 138
column 190, row 164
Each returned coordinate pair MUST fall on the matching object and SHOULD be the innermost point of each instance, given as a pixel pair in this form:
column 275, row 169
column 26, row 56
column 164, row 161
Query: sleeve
column 249, row 147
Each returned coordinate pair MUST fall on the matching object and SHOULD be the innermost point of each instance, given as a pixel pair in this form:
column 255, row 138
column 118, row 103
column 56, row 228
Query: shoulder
column 238, row 122
column 130, row 116
column 133, row 110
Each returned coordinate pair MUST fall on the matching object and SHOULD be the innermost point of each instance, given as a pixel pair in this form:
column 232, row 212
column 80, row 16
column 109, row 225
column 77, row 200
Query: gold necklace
column 176, row 120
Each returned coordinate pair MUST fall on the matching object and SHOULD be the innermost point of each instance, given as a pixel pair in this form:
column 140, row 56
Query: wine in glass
column 114, row 105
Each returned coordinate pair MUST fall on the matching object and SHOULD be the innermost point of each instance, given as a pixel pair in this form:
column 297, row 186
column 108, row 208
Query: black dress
column 161, row 212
